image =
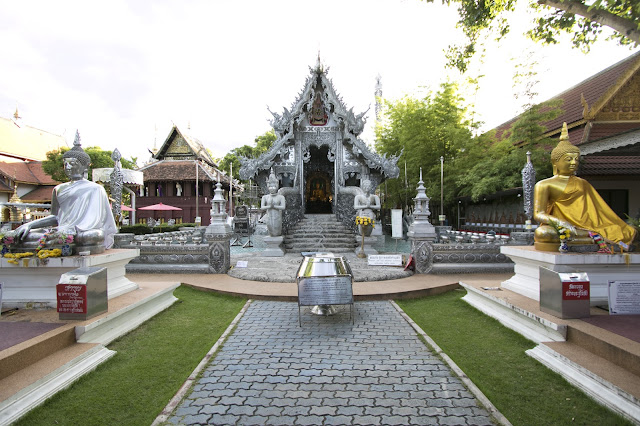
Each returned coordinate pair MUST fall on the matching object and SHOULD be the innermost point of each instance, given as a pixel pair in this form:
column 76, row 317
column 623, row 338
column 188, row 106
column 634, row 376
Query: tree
column 99, row 159
column 493, row 166
column 583, row 19
column 424, row 130
column 262, row 144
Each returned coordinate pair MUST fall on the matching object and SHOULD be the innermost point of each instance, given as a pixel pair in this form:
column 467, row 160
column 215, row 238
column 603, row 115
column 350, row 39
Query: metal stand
column 250, row 225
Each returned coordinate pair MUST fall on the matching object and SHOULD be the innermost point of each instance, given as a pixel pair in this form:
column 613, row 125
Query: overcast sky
column 121, row 72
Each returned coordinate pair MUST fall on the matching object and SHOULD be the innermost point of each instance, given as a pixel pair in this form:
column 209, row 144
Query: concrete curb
column 454, row 367
column 177, row 398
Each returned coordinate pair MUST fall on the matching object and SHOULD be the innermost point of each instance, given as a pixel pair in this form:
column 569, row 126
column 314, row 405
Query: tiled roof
column 593, row 89
column 42, row 194
column 604, row 130
column 27, row 172
column 24, row 141
column 168, row 170
column 595, row 165
column 194, row 144
column 5, row 188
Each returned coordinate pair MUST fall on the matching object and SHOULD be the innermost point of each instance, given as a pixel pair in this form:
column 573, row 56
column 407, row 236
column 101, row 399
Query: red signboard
column 575, row 290
column 72, row 298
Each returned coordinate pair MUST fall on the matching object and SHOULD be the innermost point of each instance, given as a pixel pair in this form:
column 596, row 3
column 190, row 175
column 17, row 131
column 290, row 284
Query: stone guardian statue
column 273, row 203
column 78, row 207
column 366, row 202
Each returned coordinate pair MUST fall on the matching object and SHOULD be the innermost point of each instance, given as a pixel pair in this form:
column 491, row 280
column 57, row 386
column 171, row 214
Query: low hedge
column 140, row 229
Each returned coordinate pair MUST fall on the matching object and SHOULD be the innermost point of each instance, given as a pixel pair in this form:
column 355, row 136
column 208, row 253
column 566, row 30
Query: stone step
column 319, row 232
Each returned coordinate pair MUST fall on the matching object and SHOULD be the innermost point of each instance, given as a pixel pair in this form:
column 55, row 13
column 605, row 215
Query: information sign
column 624, row 297
column 396, row 223
column 72, row 298
column 242, row 263
column 385, row 260
column 575, row 290
column 325, row 291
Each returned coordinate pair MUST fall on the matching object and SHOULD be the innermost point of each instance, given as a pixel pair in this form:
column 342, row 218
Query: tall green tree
column 496, row 165
column 99, row 159
column 262, row 143
column 583, row 19
column 424, row 130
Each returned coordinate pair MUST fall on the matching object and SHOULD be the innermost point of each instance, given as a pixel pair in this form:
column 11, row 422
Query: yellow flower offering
column 43, row 254
column 365, row 221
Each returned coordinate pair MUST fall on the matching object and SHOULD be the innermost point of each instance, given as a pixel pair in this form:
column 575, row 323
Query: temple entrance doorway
column 318, row 192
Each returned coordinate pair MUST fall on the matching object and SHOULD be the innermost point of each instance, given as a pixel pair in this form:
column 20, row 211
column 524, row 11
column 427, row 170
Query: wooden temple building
column 603, row 118
column 183, row 175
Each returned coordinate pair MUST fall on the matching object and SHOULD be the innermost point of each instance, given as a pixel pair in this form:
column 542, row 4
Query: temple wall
column 630, row 185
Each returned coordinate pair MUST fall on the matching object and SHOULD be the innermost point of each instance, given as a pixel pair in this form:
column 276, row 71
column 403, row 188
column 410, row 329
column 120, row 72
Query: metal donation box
column 82, row 293
column 564, row 294
column 324, row 280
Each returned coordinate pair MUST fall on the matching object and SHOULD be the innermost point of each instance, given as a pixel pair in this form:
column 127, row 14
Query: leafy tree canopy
column 99, row 159
column 262, row 144
column 583, row 19
column 424, row 130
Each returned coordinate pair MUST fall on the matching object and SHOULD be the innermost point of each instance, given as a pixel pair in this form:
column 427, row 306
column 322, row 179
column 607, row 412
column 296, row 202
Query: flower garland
column 564, row 234
column 597, row 238
column 14, row 257
column 365, row 221
column 43, row 254
column 56, row 237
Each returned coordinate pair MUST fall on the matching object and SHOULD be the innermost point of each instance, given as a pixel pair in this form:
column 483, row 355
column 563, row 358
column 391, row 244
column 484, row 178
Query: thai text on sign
column 72, row 298
column 575, row 290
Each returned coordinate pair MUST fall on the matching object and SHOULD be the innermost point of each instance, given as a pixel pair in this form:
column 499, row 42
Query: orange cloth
column 582, row 206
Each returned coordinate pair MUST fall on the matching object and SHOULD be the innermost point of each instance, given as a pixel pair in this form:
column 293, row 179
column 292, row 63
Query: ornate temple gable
column 331, row 116
column 618, row 92
column 624, row 105
column 181, row 146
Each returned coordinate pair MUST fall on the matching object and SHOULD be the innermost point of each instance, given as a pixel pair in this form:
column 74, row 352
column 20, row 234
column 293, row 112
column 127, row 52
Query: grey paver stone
column 217, row 419
column 252, row 420
column 204, row 401
column 310, row 401
column 231, row 400
column 188, row 410
column 241, row 410
column 350, row 411
column 202, row 419
column 404, row 411
column 295, row 411
column 214, row 409
column 309, row 420
column 367, row 420
column 424, row 420
column 464, row 402
column 323, row 411
column 338, row 420
column 452, row 420
column 479, row 421
column 394, row 420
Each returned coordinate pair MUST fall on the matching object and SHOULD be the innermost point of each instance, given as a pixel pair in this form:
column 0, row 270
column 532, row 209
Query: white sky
column 122, row 71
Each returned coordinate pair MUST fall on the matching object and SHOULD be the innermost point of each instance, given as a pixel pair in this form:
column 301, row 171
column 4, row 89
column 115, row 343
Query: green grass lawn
column 493, row 357
column 152, row 362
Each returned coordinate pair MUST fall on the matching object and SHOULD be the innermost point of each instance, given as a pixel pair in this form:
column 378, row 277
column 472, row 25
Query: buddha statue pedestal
column 32, row 282
column 601, row 268
column 274, row 246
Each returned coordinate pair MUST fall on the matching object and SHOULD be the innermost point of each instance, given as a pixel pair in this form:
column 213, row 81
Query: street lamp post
column 441, row 190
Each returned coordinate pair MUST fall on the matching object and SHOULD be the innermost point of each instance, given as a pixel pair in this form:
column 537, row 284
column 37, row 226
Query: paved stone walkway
column 271, row 371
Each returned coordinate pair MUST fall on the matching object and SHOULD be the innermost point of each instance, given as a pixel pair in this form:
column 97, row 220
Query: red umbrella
column 126, row 208
column 160, row 207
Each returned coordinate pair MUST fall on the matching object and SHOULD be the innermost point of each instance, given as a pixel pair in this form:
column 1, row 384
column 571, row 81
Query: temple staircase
column 319, row 232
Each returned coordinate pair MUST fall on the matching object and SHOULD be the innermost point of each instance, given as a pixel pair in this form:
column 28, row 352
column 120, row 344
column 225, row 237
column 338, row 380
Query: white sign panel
column 385, row 260
column 396, row 223
column 242, row 263
column 624, row 297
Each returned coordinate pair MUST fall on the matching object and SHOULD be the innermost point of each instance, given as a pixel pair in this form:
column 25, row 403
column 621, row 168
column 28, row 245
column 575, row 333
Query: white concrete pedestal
column 601, row 268
column 32, row 283
column 274, row 246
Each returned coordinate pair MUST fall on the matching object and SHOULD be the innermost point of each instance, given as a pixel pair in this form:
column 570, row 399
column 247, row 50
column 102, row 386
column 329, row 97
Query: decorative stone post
column 528, row 182
column 421, row 232
column 218, row 235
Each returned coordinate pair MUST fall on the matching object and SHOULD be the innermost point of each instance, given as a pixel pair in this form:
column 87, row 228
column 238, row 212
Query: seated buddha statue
column 78, row 207
column 318, row 193
column 572, row 203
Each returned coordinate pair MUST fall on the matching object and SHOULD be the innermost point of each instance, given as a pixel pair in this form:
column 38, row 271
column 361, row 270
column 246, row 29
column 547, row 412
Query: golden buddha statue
column 572, row 203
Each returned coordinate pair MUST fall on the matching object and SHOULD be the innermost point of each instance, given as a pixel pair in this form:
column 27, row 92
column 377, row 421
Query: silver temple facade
column 318, row 156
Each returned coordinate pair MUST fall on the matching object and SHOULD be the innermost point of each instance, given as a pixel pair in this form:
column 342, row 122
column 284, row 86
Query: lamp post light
column 442, row 190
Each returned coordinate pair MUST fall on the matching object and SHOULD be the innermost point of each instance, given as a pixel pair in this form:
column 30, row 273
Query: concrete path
column 329, row 371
